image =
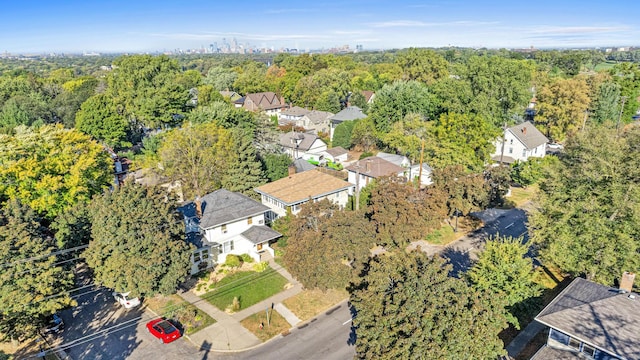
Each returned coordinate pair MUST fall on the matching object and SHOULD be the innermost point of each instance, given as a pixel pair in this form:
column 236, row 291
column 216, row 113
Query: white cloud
column 415, row 23
column 577, row 29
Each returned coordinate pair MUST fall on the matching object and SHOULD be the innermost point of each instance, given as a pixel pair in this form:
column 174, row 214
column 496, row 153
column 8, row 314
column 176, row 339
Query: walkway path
column 227, row 333
column 525, row 336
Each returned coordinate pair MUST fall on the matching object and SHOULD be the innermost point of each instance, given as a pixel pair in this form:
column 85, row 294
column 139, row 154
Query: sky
column 73, row 26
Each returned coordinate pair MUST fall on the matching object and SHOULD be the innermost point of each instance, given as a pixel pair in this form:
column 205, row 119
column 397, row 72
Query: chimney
column 292, row 169
column 626, row 282
column 524, row 130
column 198, row 203
column 368, row 166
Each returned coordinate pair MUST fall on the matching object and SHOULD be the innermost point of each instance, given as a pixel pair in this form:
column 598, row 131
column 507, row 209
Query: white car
column 125, row 300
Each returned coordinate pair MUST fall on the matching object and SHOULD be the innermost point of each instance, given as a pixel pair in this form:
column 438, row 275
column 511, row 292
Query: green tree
column 244, row 170
column 276, row 166
column 197, row 155
column 52, row 169
column 328, row 101
column 137, row 241
column 409, row 307
column 465, row 192
column 561, row 107
column 504, row 270
column 33, row 283
column 321, row 231
column 423, row 65
column 224, row 115
column 220, row 78
column 606, row 107
column 357, row 99
column 363, row 135
column 342, row 134
column 587, row 215
column 531, row 171
column 99, row 118
column 627, row 75
column 393, row 102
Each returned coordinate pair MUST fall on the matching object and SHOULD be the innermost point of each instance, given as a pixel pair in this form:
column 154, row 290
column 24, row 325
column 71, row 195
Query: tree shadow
column 206, row 349
column 351, row 341
column 459, row 260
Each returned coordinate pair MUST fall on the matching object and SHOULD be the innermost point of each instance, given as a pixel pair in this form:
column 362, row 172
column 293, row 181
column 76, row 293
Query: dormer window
column 250, row 221
column 224, row 228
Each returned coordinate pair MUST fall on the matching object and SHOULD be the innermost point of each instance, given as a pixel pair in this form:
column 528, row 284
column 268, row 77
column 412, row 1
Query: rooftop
column 222, row 207
column 301, row 187
column 529, row 135
column 375, row 167
column 349, row 113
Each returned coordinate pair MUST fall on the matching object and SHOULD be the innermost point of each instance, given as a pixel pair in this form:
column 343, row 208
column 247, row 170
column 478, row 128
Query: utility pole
column 624, row 98
column 504, row 130
column 358, row 185
column 421, row 159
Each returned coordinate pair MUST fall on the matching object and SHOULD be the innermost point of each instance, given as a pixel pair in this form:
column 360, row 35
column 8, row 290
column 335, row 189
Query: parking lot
column 100, row 328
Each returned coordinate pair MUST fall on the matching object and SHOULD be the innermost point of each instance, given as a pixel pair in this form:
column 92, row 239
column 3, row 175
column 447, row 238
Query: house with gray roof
column 349, row 113
column 521, row 142
column 412, row 171
column 363, row 171
column 292, row 115
column 592, row 321
column 302, row 145
column 316, row 121
column 224, row 222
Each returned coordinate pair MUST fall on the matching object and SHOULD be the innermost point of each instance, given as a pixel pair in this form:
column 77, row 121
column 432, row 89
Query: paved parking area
column 99, row 328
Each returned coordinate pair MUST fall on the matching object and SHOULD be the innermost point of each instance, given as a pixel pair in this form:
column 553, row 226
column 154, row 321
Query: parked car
column 164, row 330
column 54, row 324
column 124, row 299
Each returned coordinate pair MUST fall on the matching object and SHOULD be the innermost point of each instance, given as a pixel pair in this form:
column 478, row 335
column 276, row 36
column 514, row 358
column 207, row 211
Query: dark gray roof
column 318, row 117
column 303, row 165
column 307, row 140
column 258, row 234
column 596, row 314
column 528, row 135
column 223, row 206
column 348, row 113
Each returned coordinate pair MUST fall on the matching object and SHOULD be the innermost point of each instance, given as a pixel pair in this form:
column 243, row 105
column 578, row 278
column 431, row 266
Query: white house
column 520, row 143
column 411, row 171
column 297, row 144
column 223, row 223
column 362, row 172
column 336, row 154
column 292, row 115
column 316, row 121
column 298, row 188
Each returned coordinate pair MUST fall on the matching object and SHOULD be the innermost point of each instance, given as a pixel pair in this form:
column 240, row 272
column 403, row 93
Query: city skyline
column 145, row 26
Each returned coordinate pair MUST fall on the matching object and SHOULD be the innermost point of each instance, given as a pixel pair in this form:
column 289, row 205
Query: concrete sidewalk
column 525, row 336
column 227, row 334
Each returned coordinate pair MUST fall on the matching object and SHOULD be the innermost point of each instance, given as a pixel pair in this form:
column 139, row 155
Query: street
column 329, row 336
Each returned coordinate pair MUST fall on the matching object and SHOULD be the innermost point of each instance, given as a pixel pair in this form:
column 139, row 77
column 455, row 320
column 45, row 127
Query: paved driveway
column 99, row 328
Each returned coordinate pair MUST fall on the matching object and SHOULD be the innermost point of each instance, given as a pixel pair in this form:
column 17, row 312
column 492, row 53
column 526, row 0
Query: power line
column 33, row 258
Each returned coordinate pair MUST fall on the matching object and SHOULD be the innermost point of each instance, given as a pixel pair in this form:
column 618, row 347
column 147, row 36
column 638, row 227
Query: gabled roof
column 392, row 158
column 367, row 95
column 596, row 314
column 232, row 95
column 298, row 188
column 318, row 117
column 258, row 234
column 528, row 135
column 264, row 100
column 223, row 207
column 295, row 111
column 304, row 140
column 349, row 113
column 375, row 167
column 302, row 165
column 336, row 151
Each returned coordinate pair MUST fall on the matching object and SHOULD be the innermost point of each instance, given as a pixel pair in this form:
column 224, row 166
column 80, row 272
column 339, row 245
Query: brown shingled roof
column 300, row 187
column 377, row 167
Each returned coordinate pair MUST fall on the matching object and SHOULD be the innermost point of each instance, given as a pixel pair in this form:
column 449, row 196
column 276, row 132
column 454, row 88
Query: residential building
column 349, row 113
column 336, row 154
column 292, row 115
column 302, row 145
column 362, row 172
column 264, row 101
column 296, row 189
column 521, row 142
column 224, row 222
column 412, row 171
column 368, row 96
column 316, row 121
column 231, row 95
column 592, row 321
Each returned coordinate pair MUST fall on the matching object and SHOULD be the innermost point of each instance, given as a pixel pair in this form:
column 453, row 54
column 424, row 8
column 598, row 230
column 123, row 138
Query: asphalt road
column 329, row 336
column 462, row 252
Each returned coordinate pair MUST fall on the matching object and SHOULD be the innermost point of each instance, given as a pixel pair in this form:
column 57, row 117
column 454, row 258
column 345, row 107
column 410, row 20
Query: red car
column 163, row 330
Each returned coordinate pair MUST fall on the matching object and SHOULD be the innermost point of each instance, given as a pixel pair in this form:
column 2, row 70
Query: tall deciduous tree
column 32, row 285
column 321, row 231
column 409, row 307
column 504, row 270
column 197, row 155
column 465, row 192
column 99, row 118
column 51, row 168
column 393, row 102
column 423, row 65
column 587, row 216
column 137, row 241
column 342, row 134
column 561, row 107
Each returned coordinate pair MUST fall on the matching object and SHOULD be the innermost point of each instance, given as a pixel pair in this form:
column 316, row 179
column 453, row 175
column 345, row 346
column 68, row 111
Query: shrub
column 233, row 261
column 261, row 266
column 235, row 306
column 246, row 258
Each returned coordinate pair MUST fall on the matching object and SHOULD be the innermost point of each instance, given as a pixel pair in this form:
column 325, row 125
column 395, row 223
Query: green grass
column 248, row 286
column 442, row 236
column 605, row 65
column 519, row 196
column 173, row 306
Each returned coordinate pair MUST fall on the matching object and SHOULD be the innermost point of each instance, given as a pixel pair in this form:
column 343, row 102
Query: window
column 224, row 228
column 574, row 343
column 196, row 257
column 510, row 150
column 261, row 222
column 535, row 151
column 559, row 336
column 524, row 153
column 227, row 246
column 511, row 142
column 249, row 221
column 588, row 350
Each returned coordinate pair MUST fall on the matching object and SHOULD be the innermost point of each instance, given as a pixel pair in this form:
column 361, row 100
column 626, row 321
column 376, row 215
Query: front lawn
column 310, row 303
column 446, row 233
column 257, row 324
column 248, row 287
column 174, row 307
